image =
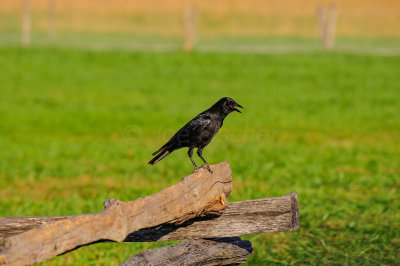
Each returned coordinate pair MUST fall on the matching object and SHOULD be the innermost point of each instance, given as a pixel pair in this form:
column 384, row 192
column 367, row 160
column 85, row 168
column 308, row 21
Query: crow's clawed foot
column 207, row 167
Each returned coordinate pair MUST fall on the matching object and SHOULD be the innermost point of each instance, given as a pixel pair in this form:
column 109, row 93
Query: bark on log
column 222, row 251
column 240, row 218
column 195, row 196
column 10, row 226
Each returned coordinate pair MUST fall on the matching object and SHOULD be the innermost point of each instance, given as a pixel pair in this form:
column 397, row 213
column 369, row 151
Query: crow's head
column 227, row 105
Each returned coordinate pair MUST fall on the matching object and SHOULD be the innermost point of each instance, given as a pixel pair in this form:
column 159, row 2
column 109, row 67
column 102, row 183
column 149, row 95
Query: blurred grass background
column 224, row 25
column 81, row 114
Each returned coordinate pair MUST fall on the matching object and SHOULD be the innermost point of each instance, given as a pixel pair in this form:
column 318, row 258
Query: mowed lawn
column 78, row 127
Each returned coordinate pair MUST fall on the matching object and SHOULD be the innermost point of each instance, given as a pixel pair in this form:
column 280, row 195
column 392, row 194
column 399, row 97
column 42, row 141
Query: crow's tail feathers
column 160, row 156
column 162, row 152
column 163, row 148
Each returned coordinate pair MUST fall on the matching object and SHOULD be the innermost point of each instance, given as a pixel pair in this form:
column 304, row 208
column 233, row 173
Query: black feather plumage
column 198, row 132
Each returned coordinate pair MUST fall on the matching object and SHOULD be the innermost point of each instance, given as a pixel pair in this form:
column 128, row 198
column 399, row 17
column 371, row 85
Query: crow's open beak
column 238, row 105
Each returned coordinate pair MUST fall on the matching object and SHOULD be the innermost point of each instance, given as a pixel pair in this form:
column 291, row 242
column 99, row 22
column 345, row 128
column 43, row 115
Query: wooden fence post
column 26, row 24
column 189, row 27
column 327, row 24
column 321, row 19
column 51, row 31
column 330, row 36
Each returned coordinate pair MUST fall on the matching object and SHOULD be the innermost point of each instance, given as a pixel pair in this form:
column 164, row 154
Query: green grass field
column 79, row 126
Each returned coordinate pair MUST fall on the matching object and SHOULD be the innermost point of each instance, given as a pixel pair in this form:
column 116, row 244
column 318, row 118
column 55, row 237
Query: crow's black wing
column 198, row 123
column 183, row 137
column 193, row 129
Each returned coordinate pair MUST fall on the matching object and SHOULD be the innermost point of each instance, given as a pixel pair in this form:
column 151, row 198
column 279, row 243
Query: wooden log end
column 295, row 212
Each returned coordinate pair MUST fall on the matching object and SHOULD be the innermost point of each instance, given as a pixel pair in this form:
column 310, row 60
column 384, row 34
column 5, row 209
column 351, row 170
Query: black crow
column 199, row 131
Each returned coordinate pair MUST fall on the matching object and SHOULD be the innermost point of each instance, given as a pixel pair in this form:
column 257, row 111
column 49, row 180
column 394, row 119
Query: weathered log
column 222, row 251
column 195, row 196
column 240, row 218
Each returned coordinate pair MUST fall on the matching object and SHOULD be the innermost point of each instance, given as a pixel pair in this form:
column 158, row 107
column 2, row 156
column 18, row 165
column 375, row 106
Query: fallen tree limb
column 240, row 218
column 196, row 195
column 222, row 251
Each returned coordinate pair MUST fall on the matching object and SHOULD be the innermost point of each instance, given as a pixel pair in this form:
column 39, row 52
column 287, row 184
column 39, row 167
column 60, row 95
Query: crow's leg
column 199, row 153
column 190, row 153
